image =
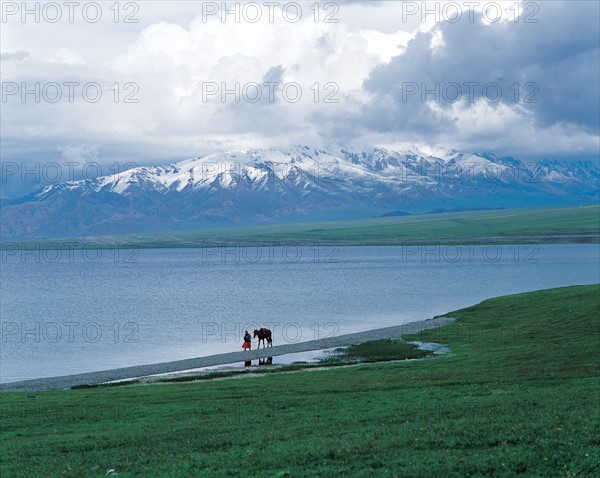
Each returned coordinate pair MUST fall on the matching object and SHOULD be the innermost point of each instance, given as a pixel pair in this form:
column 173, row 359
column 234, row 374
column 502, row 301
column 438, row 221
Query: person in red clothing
column 247, row 345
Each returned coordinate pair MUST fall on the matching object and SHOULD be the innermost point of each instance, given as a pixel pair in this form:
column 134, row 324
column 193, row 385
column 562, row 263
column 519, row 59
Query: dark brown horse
column 263, row 334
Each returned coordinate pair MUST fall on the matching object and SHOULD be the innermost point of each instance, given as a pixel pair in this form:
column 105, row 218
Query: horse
column 263, row 334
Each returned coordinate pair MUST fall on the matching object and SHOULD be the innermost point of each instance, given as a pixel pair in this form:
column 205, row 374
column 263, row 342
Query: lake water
column 75, row 311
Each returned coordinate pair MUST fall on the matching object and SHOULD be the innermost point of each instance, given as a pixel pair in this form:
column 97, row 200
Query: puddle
column 310, row 357
column 434, row 347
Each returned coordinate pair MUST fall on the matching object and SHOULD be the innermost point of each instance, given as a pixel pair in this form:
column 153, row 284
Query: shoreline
column 102, row 376
column 209, row 243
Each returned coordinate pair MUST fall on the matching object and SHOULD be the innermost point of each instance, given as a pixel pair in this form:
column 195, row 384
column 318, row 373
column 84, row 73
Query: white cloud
column 66, row 57
column 172, row 54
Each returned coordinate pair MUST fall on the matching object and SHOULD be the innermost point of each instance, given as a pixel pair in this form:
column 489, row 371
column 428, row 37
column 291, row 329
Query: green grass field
column 463, row 227
column 518, row 394
column 557, row 225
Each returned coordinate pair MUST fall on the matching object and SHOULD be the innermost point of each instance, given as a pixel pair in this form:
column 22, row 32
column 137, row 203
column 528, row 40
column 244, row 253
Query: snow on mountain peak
column 310, row 169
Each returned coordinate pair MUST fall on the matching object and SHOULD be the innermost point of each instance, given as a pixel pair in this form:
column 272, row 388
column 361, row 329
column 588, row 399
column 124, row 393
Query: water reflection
column 265, row 361
column 261, row 361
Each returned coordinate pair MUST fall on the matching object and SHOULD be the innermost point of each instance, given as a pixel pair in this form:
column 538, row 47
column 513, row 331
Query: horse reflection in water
column 261, row 361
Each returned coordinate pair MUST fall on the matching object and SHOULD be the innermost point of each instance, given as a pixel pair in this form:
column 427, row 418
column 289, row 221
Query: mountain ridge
column 270, row 185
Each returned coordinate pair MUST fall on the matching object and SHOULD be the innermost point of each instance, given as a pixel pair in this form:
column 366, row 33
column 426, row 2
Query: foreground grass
column 548, row 225
column 517, row 395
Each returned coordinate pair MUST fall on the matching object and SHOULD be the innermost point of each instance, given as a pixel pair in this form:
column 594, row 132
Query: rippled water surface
column 73, row 311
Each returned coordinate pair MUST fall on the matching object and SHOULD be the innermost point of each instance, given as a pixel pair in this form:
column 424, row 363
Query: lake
column 73, row 311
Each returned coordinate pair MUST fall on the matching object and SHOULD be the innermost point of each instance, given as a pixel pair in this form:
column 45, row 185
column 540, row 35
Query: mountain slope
column 262, row 186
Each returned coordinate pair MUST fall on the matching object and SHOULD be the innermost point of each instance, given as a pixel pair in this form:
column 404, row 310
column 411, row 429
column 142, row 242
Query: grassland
column 518, row 394
column 558, row 225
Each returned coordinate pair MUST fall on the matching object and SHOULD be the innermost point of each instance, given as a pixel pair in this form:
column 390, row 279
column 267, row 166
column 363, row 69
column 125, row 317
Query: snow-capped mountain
column 260, row 186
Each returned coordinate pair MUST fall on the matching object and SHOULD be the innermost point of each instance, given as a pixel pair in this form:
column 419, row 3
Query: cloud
column 15, row 55
column 66, row 57
column 539, row 77
column 352, row 77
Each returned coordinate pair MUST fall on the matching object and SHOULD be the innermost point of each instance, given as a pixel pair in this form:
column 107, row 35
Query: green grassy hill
column 559, row 225
column 517, row 395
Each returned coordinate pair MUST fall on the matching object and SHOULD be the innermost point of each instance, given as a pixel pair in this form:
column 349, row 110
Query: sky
column 105, row 85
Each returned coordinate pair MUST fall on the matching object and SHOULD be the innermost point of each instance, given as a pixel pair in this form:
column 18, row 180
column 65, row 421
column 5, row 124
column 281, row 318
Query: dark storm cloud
column 554, row 62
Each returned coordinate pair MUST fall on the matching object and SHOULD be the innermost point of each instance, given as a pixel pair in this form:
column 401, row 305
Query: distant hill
column 441, row 210
column 395, row 213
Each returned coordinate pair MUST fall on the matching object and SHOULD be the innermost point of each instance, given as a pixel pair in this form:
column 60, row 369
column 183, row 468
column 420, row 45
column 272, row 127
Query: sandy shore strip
column 90, row 378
